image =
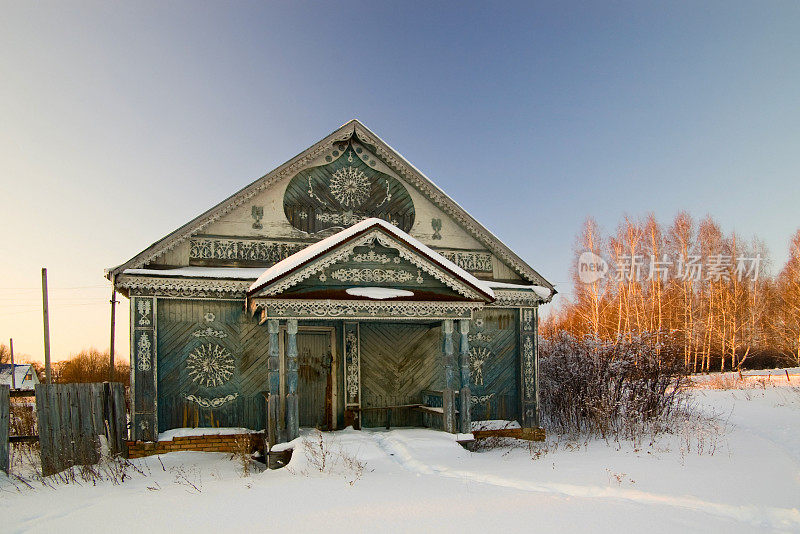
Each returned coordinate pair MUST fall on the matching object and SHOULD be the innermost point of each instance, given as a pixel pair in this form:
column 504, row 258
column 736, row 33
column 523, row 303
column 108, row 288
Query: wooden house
column 18, row 376
column 342, row 288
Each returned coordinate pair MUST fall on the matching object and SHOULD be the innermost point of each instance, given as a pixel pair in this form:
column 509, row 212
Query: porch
column 333, row 374
column 402, row 313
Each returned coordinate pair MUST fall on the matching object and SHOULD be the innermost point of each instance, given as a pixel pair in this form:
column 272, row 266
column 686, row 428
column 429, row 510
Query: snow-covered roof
column 237, row 273
column 320, row 247
column 20, row 372
column 541, row 291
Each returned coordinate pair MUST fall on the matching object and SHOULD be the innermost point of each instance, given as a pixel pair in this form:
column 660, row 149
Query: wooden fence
column 5, row 421
column 72, row 416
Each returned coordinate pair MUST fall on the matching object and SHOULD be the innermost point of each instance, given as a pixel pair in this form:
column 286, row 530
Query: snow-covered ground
column 742, row 477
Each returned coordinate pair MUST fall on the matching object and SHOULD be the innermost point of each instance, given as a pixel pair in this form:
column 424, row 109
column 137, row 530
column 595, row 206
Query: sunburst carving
column 210, row 365
column 350, row 186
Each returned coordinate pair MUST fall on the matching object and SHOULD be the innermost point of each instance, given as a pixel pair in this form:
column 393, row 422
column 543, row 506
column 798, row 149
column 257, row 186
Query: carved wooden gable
column 371, row 258
column 378, row 272
column 345, row 190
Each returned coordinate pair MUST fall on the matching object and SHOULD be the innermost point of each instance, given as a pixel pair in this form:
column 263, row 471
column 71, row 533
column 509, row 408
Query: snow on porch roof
column 235, row 273
column 317, row 249
column 541, row 291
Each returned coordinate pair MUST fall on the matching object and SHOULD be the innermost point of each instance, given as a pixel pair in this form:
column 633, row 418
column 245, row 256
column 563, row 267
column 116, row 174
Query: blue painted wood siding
column 212, row 365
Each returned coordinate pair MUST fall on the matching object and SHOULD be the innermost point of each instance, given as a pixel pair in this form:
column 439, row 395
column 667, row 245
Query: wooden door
column 398, row 362
column 315, row 379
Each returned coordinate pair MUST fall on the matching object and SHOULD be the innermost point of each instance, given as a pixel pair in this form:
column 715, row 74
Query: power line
column 38, row 308
column 52, row 288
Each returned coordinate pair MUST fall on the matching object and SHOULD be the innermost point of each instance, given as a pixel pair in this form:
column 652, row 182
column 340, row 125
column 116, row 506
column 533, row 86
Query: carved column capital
column 447, row 326
column 273, row 326
column 291, row 326
column 463, row 326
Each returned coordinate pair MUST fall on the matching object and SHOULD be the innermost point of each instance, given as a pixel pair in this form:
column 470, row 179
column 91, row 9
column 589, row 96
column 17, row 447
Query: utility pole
column 13, row 369
column 111, row 343
column 46, row 320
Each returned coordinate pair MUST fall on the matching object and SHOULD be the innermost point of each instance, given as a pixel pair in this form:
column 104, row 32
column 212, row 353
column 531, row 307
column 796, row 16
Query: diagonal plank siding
column 182, row 328
column 398, row 362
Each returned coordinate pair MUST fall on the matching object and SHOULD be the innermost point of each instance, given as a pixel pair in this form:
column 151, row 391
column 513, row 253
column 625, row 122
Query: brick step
column 229, row 443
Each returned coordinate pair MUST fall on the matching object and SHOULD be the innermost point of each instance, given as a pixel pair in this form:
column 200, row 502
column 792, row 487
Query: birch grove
column 689, row 286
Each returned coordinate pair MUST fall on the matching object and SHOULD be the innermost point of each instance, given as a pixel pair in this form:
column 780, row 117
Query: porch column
column 274, row 399
column 448, row 394
column 465, row 419
column 292, row 415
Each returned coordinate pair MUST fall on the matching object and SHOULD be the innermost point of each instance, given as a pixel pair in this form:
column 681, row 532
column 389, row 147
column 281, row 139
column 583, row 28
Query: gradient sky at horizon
column 121, row 121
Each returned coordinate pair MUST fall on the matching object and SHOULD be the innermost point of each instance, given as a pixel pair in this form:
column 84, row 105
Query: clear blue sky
column 121, row 121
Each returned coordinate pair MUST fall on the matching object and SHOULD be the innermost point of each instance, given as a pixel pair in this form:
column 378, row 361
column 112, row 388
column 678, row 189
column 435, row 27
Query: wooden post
column 448, row 393
column 5, row 420
column 538, row 419
column 13, row 369
column 274, row 399
column 292, row 413
column 46, row 320
column 465, row 419
column 111, row 341
column 529, row 368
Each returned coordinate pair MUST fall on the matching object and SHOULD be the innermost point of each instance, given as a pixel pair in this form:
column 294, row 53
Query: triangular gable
column 390, row 157
column 341, row 247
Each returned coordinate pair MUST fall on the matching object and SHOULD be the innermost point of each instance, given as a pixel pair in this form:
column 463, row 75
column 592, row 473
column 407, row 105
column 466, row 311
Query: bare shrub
column 23, row 417
column 24, row 455
column 26, row 462
column 611, row 390
column 319, row 456
column 331, row 459
column 698, row 432
column 242, row 453
column 188, row 477
column 723, row 381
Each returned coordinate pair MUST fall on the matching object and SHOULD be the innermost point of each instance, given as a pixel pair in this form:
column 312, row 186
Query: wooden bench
column 433, row 412
column 530, row 434
column 388, row 410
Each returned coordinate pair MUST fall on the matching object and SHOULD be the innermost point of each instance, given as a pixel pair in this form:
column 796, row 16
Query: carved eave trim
column 183, row 287
column 362, row 310
column 505, row 297
column 389, row 156
column 344, row 251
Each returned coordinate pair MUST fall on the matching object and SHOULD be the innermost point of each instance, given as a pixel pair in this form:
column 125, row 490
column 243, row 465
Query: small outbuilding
column 24, row 376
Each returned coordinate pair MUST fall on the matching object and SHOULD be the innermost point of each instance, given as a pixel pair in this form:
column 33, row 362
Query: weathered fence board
column 72, row 416
column 5, row 421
